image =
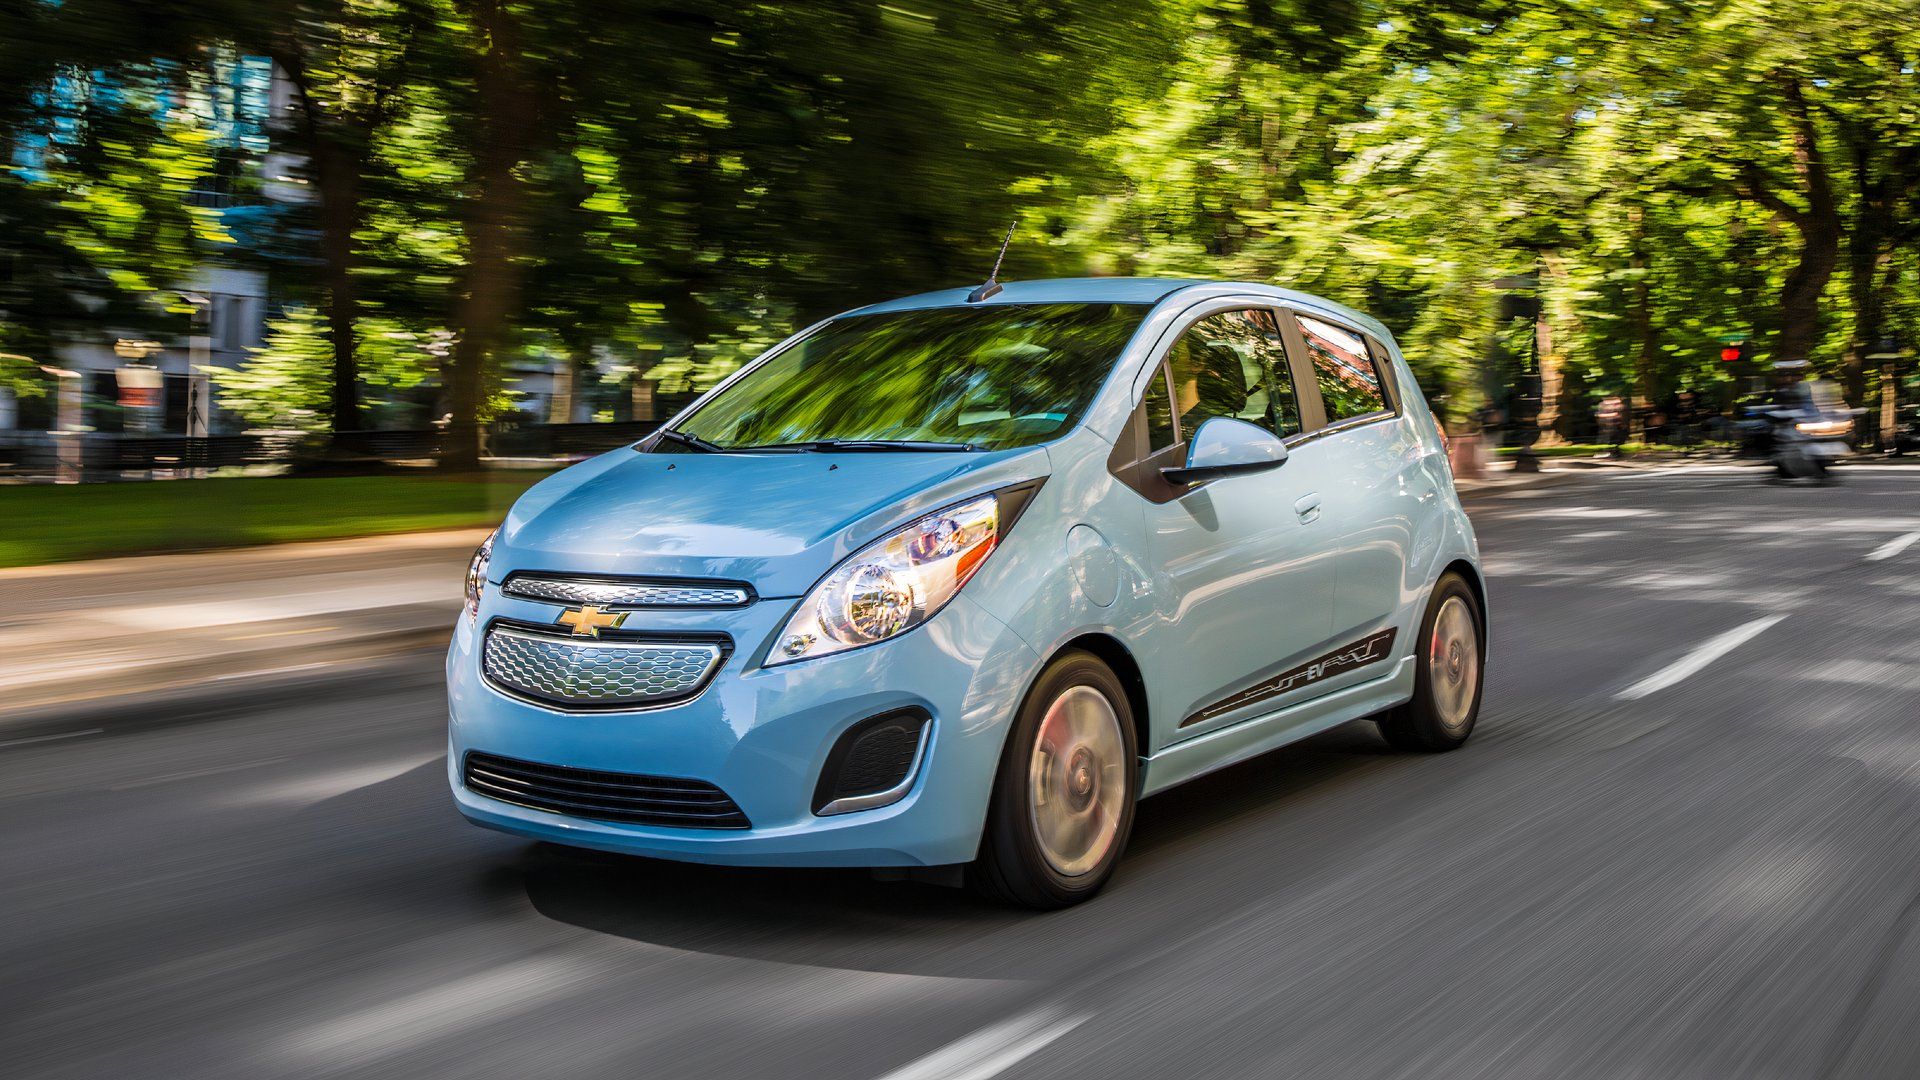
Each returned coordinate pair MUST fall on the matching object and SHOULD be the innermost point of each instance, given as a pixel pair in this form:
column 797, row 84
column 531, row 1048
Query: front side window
column 1349, row 383
column 1232, row 364
column 989, row 378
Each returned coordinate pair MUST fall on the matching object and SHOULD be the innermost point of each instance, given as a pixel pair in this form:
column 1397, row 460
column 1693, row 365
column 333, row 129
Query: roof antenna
column 992, row 285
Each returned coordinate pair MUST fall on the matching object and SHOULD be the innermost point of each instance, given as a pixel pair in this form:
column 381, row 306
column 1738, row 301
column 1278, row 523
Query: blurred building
column 125, row 382
column 129, row 381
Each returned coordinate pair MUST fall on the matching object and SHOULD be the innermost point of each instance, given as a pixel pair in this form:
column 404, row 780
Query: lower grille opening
column 871, row 759
column 602, row 796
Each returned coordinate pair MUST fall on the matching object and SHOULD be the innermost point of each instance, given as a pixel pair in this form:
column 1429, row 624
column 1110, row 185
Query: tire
column 1447, row 687
column 1064, row 796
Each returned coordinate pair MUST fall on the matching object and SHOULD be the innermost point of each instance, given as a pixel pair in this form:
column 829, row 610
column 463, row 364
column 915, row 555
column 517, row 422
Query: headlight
column 894, row 584
column 477, row 574
column 1824, row 427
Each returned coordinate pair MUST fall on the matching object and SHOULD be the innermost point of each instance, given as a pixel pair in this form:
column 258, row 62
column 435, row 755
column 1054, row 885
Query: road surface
column 1682, row 844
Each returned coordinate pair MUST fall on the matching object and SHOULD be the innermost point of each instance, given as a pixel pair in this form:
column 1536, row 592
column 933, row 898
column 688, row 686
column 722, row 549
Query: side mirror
column 1224, row 446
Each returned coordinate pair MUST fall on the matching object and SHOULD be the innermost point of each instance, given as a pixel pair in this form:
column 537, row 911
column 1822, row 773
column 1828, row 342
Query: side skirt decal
column 1366, row 651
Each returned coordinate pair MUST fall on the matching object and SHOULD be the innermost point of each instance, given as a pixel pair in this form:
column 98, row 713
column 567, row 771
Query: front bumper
column 762, row 736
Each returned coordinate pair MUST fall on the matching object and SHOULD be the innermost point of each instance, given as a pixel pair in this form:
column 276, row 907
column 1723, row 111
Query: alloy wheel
column 1453, row 664
column 1077, row 781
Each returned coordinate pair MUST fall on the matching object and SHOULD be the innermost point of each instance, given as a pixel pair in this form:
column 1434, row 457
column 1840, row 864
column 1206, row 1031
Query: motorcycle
column 1807, row 430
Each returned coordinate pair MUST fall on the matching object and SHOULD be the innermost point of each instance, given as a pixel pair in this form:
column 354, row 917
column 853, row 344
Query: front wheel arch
column 1115, row 654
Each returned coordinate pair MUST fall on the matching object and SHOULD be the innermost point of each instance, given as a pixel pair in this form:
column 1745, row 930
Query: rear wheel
column 1064, row 796
column 1449, row 662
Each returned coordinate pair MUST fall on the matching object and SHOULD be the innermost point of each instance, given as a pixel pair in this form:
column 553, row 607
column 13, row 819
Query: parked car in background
column 951, row 582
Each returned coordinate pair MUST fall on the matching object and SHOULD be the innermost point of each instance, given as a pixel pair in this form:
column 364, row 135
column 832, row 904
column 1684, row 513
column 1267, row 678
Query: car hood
column 778, row 521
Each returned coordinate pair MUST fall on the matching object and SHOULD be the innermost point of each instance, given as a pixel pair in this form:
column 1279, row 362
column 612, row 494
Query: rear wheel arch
column 1471, row 574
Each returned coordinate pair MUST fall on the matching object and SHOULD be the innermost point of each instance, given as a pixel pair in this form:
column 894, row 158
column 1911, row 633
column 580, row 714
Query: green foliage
column 665, row 188
column 286, row 383
column 95, row 226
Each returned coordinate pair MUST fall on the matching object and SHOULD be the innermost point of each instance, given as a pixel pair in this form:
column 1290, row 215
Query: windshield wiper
column 895, row 445
column 694, row 442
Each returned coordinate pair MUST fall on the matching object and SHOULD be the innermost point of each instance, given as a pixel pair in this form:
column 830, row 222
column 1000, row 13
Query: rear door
column 1243, row 566
column 1378, row 496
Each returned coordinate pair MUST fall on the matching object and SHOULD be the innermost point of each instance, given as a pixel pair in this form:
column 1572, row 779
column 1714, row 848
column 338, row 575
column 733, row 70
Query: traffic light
column 1736, row 352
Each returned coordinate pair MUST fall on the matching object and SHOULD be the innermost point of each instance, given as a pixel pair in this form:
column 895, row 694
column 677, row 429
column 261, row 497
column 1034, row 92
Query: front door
column 1243, row 565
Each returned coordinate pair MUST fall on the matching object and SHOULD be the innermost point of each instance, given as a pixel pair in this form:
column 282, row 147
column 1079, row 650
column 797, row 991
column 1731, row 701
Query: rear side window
column 1232, row 364
column 1349, row 381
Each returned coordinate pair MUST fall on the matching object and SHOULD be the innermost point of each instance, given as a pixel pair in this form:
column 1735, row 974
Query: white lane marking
column 1593, row 512
column 1893, row 547
column 993, row 1049
column 190, row 774
column 464, row 1003
column 50, row 738
column 310, row 790
column 1722, row 470
column 1879, row 674
column 1705, row 653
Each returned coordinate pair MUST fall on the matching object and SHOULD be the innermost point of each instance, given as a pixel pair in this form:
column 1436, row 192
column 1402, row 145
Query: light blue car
column 951, row 582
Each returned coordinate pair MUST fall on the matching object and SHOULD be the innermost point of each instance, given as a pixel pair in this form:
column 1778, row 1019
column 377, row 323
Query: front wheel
column 1449, row 663
column 1063, row 799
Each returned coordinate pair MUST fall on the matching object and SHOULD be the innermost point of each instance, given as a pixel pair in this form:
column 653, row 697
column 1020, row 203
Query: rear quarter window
column 1349, row 381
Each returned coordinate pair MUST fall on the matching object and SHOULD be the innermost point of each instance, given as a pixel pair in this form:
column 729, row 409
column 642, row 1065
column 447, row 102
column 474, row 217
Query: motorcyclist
column 1808, row 423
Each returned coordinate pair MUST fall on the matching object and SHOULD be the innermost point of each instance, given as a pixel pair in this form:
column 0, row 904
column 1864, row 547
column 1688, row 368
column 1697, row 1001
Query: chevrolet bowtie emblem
column 588, row 621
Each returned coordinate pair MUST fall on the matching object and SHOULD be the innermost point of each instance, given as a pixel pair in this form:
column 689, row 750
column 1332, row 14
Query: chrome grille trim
column 615, row 593
column 596, row 673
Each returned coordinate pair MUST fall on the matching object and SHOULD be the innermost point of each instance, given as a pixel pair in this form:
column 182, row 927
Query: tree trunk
column 337, row 181
column 1820, row 230
column 335, row 151
column 1646, row 376
column 493, row 227
column 1871, row 272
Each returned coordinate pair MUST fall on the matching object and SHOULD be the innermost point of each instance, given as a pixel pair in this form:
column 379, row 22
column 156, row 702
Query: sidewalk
column 80, row 632
column 1498, row 477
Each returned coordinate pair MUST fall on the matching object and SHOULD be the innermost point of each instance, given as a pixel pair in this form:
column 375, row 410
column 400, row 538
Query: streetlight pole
column 199, row 390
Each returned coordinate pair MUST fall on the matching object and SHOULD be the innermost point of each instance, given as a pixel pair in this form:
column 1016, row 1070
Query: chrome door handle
column 1307, row 506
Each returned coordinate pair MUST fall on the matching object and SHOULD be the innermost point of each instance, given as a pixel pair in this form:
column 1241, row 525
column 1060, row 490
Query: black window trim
column 1227, row 305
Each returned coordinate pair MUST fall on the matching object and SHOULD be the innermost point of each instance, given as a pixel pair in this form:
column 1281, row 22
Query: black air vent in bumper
column 602, row 796
column 872, row 760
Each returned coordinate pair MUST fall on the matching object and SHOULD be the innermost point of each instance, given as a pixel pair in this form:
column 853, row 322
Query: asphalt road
column 1682, row 844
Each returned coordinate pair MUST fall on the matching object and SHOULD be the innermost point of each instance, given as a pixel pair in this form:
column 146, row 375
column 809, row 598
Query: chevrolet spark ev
column 953, row 581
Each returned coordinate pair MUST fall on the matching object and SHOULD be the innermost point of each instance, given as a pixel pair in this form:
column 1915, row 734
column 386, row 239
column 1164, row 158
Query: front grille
column 603, row 796
column 615, row 593
column 597, row 673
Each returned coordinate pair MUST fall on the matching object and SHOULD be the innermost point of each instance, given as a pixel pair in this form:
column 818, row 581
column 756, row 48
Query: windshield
column 939, row 378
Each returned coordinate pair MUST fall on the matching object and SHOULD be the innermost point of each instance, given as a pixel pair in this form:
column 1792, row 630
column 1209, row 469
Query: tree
column 350, row 62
